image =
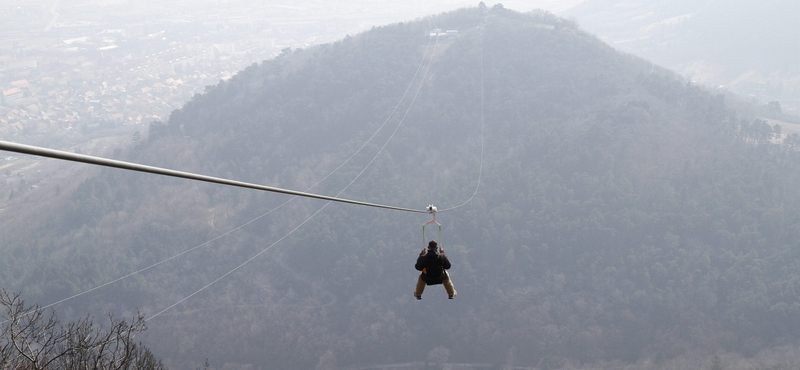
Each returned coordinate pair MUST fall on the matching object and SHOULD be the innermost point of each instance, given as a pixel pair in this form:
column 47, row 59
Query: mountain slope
column 622, row 214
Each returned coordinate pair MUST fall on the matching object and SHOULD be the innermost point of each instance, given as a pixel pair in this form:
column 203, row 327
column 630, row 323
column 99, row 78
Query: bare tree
column 35, row 339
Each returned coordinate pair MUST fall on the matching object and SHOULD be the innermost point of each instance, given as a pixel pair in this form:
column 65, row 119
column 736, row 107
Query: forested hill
column 622, row 215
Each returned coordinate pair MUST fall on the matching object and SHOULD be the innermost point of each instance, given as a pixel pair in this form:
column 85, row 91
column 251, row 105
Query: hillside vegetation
column 622, row 215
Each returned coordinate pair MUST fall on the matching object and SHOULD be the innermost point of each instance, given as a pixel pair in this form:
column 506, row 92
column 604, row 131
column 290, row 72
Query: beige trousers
column 448, row 286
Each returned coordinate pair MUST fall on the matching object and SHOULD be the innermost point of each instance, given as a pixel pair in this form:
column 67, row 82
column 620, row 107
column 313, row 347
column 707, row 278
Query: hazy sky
column 525, row 5
column 554, row 6
column 52, row 11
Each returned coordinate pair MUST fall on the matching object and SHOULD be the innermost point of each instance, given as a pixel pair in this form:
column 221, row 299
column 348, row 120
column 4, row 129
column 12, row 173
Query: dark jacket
column 432, row 264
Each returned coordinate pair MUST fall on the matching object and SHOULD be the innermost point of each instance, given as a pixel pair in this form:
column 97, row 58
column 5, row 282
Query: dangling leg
column 420, row 288
column 448, row 286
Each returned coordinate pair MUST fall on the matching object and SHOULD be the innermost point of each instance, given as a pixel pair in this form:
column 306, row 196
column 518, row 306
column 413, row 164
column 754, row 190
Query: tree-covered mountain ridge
column 622, row 215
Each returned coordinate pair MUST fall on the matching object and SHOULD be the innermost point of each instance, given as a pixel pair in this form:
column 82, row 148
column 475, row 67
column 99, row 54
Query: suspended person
column 434, row 265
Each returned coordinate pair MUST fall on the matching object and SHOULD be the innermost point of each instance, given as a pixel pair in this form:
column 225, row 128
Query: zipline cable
column 99, row 161
column 411, row 83
column 483, row 125
column 421, row 63
column 310, row 217
column 399, row 124
column 184, row 299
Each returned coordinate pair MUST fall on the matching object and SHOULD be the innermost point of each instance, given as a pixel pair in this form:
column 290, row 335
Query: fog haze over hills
column 71, row 68
column 744, row 46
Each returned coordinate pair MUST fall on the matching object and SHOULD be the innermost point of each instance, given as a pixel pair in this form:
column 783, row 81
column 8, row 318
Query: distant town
column 70, row 72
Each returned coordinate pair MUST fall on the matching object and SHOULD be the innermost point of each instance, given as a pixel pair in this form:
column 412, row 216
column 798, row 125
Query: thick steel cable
column 99, row 161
